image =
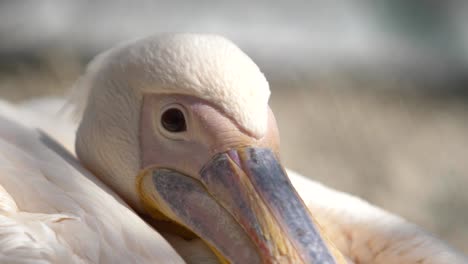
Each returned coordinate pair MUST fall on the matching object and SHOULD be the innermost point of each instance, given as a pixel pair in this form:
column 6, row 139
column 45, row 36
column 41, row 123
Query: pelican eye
column 173, row 120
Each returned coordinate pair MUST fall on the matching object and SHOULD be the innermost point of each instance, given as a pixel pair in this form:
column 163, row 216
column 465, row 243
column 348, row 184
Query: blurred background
column 371, row 96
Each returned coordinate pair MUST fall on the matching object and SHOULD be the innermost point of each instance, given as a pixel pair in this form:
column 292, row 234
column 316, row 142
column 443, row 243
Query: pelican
column 176, row 159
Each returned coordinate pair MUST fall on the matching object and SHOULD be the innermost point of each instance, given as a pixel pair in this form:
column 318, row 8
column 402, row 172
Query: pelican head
column 179, row 126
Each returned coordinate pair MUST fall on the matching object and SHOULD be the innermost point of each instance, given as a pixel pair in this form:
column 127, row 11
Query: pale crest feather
column 52, row 210
column 206, row 66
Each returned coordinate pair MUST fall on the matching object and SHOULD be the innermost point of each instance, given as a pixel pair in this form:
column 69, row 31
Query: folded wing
column 52, row 210
column 367, row 234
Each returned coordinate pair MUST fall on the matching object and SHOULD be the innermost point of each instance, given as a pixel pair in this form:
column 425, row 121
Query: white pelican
column 178, row 127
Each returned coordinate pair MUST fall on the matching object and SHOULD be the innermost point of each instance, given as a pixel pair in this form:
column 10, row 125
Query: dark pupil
column 173, row 120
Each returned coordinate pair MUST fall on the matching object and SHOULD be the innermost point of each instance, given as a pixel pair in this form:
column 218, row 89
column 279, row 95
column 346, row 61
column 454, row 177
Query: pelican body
column 177, row 159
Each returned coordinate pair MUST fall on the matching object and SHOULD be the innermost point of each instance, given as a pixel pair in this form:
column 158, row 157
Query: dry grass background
column 404, row 151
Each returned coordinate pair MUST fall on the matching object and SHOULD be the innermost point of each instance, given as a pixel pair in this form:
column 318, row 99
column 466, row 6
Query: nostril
column 232, row 153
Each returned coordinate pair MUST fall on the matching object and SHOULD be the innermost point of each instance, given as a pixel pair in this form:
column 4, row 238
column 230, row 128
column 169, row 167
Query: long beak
column 244, row 207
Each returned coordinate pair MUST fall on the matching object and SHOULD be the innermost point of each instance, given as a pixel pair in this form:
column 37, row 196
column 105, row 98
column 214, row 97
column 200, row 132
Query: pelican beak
column 243, row 206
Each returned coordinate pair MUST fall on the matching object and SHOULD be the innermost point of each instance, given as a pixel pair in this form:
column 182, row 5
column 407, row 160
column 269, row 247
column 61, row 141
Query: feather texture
column 52, row 210
column 367, row 234
column 361, row 231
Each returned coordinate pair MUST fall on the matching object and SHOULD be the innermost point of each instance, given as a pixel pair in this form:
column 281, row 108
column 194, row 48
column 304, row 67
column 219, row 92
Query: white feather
column 361, row 231
column 54, row 211
column 367, row 234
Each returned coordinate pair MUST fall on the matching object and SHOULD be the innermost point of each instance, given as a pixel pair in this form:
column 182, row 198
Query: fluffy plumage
column 69, row 213
column 52, row 210
column 367, row 234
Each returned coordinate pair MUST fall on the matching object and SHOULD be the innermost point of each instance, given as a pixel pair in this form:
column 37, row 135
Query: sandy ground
column 405, row 152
